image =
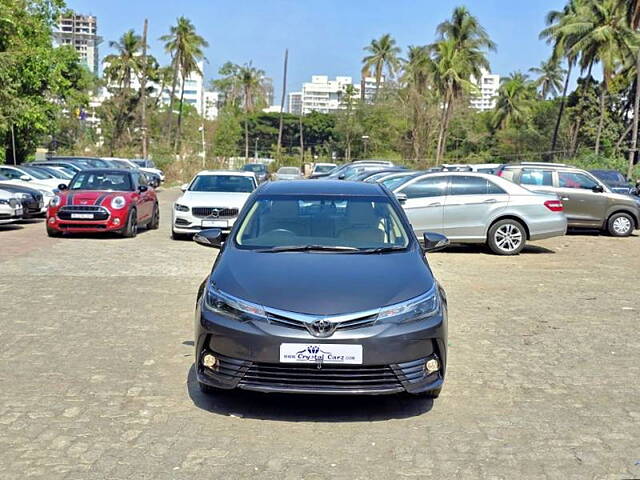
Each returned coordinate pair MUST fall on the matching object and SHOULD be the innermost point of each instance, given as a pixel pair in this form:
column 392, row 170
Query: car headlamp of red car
column 118, row 202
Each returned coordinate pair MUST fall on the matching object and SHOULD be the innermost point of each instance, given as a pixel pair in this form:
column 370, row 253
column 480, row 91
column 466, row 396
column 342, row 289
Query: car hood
column 214, row 199
column 322, row 283
column 91, row 197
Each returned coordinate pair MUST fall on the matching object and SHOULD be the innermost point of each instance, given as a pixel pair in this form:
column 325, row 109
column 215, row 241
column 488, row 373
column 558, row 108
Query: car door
column 423, row 201
column 471, row 203
column 582, row 205
column 146, row 197
column 537, row 180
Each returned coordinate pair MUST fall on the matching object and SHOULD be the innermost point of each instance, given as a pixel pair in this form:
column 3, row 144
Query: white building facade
column 324, row 95
column 80, row 32
column 487, row 92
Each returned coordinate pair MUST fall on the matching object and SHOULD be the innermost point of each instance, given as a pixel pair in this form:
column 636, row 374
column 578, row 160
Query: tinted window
column 464, row 185
column 254, row 167
column 102, row 181
column 222, row 183
column 427, row 187
column 38, row 174
column 575, row 180
column 289, row 171
column 11, row 174
column 536, row 176
column 331, row 221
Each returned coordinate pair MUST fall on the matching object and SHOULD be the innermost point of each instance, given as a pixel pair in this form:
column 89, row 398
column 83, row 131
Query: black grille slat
column 203, row 212
column 283, row 321
column 99, row 213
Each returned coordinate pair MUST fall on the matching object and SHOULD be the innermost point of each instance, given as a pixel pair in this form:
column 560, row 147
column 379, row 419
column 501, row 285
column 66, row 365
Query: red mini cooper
column 104, row 200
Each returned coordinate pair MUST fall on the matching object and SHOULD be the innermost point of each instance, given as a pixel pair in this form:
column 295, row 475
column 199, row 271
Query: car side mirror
column 25, row 178
column 434, row 241
column 598, row 189
column 184, row 187
column 402, row 197
column 62, row 187
column 142, row 188
column 211, row 237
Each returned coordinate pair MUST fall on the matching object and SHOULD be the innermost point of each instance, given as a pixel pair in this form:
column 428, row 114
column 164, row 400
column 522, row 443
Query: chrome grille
column 83, row 208
column 222, row 212
column 99, row 213
column 305, row 322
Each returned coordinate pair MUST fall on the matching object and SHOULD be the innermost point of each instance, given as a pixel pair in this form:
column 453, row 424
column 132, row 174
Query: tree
column 633, row 17
column 550, row 77
column 121, row 67
column 383, row 54
column 514, row 101
column 186, row 49
column 459, row 55
column 346, row 119
column 243, row 85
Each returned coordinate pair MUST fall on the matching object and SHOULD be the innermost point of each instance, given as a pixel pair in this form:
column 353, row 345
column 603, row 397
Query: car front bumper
column 115, row 221
column 248, row 358
column 187, row 223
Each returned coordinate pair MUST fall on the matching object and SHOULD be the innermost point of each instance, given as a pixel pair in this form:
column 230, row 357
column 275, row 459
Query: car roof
column 238, row 173
column 106, row 170
column 323, row 187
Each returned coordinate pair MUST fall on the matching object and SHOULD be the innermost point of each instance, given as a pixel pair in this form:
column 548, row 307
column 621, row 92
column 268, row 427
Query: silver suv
column 588, row 203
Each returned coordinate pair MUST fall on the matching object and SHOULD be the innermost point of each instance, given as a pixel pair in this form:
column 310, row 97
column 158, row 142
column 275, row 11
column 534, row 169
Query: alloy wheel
column 508, row 237
column 621, row 225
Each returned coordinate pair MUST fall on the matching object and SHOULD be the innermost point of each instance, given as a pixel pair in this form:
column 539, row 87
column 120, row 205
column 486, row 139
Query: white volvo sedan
column 472, row 207
column 213, row 199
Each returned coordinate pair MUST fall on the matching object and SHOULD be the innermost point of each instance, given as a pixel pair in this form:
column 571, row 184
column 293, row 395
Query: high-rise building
column 488, row 86
column 324, row 95
column 210, row 105
column 81, row 32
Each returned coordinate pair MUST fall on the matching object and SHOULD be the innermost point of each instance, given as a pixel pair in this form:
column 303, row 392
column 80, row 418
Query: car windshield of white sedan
column 322, row 223
column 120, row 182
column 289, row 171
column 222, row 183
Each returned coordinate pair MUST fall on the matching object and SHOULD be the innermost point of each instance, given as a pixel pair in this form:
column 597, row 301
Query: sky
column 324, row 37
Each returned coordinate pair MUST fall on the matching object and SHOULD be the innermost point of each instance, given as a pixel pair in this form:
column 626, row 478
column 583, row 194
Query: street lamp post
column 255, row 151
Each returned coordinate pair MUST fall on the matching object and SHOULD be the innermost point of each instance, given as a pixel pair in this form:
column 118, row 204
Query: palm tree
column 600, row 33
column 459, row 55
column 126, row 62
column 514, row 99
column 550, row 77
column 186, row 49
column 243, row 85
column 383, row 54
column 633, row 17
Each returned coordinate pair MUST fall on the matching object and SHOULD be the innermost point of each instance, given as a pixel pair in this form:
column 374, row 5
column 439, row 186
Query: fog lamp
column 209, row 361
column 432, row 366
column 116, row 221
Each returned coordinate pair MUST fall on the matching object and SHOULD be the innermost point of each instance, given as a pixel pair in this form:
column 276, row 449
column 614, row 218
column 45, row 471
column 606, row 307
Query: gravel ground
column 96, row 380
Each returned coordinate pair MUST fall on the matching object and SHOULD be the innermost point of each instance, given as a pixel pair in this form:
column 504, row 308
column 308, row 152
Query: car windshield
column 37, row 173
column 255, row 167
column 323, row 168
column 289, row 171
column 394, row 182
column 53, row 172
column 120, row 182
column 222, row 183
column 322, row 222
column 609, row 176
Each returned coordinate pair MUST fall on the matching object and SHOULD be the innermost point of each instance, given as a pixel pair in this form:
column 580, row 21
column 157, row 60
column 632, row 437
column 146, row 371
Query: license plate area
column 325, row 353
column 215, row 223
column 84, row 216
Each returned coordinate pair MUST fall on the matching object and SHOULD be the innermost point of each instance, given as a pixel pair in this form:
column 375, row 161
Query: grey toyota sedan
column 480, row 208
column 321, row 287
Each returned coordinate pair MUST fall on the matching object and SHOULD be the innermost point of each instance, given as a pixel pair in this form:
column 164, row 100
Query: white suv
column 213, row 199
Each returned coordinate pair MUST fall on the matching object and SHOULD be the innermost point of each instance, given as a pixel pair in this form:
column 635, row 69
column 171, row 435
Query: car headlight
column 181, row 208
column 4, row 201
column 231, row 307
column 55, row 201
column 419, row 308
column 118, row 202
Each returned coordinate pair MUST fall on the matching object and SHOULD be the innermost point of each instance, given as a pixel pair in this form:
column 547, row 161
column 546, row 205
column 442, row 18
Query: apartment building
column 81, row 32
column 488, row 86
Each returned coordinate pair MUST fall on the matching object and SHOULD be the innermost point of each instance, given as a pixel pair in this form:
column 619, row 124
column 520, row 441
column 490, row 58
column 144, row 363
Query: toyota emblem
column 321, row 328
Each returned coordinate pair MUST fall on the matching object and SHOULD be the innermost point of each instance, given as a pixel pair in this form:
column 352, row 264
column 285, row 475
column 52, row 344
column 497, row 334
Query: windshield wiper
column 306, row 248
column 381, row 249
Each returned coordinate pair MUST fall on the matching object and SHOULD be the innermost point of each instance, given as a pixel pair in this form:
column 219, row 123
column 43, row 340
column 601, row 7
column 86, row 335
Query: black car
column 616, row 181
column 259, row 169
column 321, row 287
column 31, row 199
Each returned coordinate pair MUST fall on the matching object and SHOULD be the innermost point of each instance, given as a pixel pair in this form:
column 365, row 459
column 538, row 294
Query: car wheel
column 53, row 233
column 435, row 393
column 131, row 230
column 620, row 225
column 155, row 218
column 507, row 237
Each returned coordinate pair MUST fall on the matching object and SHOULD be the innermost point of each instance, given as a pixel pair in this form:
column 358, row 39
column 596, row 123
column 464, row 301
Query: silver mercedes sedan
column 480, row 208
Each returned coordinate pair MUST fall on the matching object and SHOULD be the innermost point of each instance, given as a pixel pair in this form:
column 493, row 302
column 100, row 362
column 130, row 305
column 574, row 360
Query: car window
column 223, row 183
column 536, row 176
column 468, row 185
column 142, row 179
column 102, row 181
column 331, row 221
column 575, row 180
column 427, row 187
column 289, row 171
column 11, row 174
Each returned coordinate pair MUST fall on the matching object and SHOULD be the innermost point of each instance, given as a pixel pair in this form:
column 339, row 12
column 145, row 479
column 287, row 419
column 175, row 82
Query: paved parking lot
column 96, row 376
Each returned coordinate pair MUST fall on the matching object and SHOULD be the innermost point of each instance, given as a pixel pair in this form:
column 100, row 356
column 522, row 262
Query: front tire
column 53, row 233
column 154, row 223
column 507, row 237
column 620, row 225
column 131, row 230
